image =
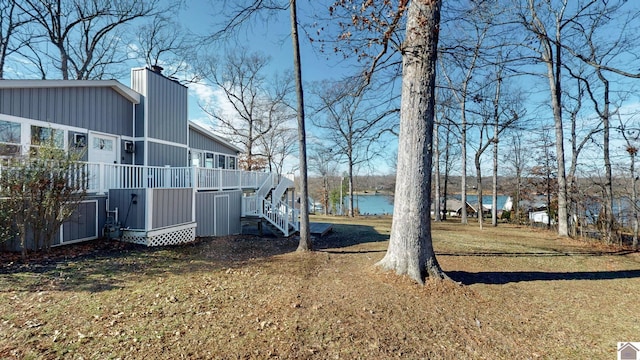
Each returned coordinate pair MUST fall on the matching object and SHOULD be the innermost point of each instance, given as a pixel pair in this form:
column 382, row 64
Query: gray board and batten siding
column 171, row 207
column 168, row 207
column 96, row 108
column 218, row 213
column 131, row 210
column 85, row 224
column 165, row 106
column 163, row 155
column 199, row 141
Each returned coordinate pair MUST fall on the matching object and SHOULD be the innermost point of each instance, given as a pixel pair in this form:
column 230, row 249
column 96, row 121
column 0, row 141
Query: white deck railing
column 101, row 177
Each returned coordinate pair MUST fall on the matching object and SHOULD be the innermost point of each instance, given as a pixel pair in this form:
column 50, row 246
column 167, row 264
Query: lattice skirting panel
column 172, row 235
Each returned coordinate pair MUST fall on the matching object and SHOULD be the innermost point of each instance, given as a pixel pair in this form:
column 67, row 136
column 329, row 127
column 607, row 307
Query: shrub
column 40, row 192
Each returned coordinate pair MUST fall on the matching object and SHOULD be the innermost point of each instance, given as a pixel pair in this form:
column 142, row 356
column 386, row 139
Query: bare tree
column 601, row 57
column 305, row 236
column 544, row 178
column 278, row 145
column 517, row 161
column 163, row 42
column 631, row 136
column 582, row 132
column 443, row 144
column 322, row 162
column 258, row 104
column 450, row 154
column 86, row 34
column 12, row 20
column 458, row 68
column 437, row 201
column 353, row 123
column 499, row 114
column 551, row 25
column 239, row 13
column 410, row 246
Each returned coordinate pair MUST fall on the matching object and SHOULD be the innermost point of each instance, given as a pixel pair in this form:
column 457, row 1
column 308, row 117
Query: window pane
column 41, row 135
column 9, row 150
column 103, row 144
column 196, row 159
column 221, row 162
column 9, row 132
column 208, row 163
column 232, row 163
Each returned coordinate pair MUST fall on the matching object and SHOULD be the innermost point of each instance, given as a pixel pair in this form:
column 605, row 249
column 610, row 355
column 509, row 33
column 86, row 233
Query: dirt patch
column 527, row 295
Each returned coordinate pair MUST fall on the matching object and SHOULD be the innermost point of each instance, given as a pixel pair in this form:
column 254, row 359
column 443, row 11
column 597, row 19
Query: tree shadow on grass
column 551, row 253
column 104, row 265
column 346, row 235
column 505, row 277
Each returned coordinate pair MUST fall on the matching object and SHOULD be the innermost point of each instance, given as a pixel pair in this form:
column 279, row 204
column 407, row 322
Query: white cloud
column 203, row 93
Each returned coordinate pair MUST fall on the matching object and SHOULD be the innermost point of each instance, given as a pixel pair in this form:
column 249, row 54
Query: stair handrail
column 266, row 186
column 281, row 215
column 274, row 216
column 283, row 185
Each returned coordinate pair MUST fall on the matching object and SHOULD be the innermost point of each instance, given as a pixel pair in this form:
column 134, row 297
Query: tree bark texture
column 410, row 249
column 305, row 236
column 437, row 215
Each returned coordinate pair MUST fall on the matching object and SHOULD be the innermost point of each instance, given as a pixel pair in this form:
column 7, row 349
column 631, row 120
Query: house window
column 41, row 135
column 102, row 144
column 197, row 159
column 9, row 138
column 222, row 162
column 208, row 162
column 232, row 163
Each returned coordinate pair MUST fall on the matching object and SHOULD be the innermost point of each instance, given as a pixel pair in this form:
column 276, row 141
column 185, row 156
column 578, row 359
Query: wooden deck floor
column 320, row 229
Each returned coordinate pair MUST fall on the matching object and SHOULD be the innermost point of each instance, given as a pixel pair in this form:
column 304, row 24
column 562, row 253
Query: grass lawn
column 526, row 294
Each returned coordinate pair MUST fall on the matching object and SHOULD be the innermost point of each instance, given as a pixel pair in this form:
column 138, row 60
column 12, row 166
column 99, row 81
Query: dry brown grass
column 527, row 294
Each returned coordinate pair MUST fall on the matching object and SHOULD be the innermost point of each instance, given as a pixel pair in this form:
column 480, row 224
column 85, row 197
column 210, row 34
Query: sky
column 272, row 38
column 269, row 36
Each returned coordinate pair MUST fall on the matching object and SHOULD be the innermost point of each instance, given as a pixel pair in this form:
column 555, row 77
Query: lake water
column 382, row 204
column 371, row 204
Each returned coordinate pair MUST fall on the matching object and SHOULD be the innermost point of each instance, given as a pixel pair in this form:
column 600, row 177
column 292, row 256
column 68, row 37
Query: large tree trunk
column 305, row 236
column 551, row 53
column 553, row 74
column 410, row 249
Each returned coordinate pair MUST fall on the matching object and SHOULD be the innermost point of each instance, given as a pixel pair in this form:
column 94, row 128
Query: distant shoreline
column 391, row 193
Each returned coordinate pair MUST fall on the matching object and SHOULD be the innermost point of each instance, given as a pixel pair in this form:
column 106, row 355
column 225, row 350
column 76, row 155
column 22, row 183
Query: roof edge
column 210, row 134
column 117, row 86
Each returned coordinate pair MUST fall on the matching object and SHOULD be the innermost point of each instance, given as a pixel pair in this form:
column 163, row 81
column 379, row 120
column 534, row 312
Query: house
column 454, row 208
column 627, row 351
column 154, row 177
column 540, row 216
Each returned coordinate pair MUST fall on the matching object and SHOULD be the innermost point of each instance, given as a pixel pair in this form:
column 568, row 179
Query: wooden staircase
column 267, row 204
